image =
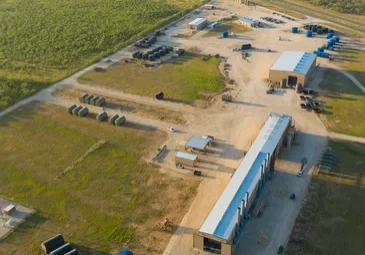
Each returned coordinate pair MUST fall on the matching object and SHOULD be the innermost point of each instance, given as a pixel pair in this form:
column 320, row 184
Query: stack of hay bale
column 93, row 100
column 78, row 110
column 117, row 120
column 102, row 116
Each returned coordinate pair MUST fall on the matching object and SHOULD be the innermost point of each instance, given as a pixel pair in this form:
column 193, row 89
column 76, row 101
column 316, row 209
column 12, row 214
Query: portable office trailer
column 83, row 112
column 53, row 243
column 62, row 250
column 113, row 118
column 102, row 116
column 70, row 108
column 186, row 159
column 198, row 24
column 76, row 110
column 82, row 98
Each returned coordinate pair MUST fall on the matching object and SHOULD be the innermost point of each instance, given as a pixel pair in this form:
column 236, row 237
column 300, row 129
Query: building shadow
column 248, row 103
column 84, row 250
column 140, row 126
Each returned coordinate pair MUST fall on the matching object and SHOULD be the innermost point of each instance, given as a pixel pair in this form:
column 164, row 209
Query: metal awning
column 197, row 142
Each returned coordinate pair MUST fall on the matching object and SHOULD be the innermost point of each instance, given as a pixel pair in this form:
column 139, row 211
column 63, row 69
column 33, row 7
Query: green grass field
column 344, row 104
column 186, row 78
column 112, row 199
column 44, row 41
column 332, row 220
column 354, row 62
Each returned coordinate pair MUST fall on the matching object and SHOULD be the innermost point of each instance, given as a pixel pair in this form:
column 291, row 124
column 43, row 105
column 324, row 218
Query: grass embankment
column 343, row 30
column 293, row 6
column 44, row 41
column 186, row 78
column 332, row 220
column 280, row 9
column 354, row 62
column 229, row 24
column 344, row 104
column 129, row 107
column 111, row 199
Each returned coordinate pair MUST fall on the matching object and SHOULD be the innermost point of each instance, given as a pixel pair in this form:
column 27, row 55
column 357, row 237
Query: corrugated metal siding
column 221, row 219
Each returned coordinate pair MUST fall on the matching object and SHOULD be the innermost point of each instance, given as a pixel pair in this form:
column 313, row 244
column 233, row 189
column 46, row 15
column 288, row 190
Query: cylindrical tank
column 314, row 29
column 53, row 243
column 225, row 34
column 145, row 56
column 125, row 252
column 316, row 52
column 337, row 38
column 157, row 55
column 321, row 49
column 329, row 35
column 294, row 30
column 309, row 33
column 325, row 55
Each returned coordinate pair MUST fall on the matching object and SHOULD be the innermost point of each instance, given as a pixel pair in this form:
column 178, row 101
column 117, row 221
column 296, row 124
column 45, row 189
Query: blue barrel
column 325, row 55
column 337, row 38
column 316, row 52
column 125, row 252
column 321, row 49
column 330, row 48
column 329, row 35
column 294, row 30
column 309, row 33
column 225, row 34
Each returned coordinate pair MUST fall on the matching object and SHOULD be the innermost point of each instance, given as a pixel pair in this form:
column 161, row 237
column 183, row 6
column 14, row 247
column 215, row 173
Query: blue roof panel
column 292, row 61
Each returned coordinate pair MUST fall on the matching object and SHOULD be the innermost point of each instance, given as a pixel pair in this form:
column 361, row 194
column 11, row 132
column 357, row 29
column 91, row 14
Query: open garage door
column 212, row 246
column 292, row 80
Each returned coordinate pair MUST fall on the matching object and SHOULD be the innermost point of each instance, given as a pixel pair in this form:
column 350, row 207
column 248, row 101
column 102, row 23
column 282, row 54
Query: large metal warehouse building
column 293, row 68
column 223, row 227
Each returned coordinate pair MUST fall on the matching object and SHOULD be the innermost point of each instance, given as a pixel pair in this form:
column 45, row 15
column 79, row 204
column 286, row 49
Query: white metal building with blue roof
column 223, row 226
column 293, row 68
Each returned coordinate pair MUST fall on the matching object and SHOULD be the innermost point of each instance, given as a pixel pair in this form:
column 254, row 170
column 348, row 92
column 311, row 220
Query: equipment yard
column 199, row 138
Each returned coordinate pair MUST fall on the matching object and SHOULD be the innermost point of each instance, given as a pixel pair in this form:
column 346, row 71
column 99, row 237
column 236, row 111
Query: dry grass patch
column 112, row 199
column 128, row 106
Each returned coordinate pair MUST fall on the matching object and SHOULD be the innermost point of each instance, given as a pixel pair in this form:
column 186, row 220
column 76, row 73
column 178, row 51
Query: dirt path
column 347, row 137
column 353, row 79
